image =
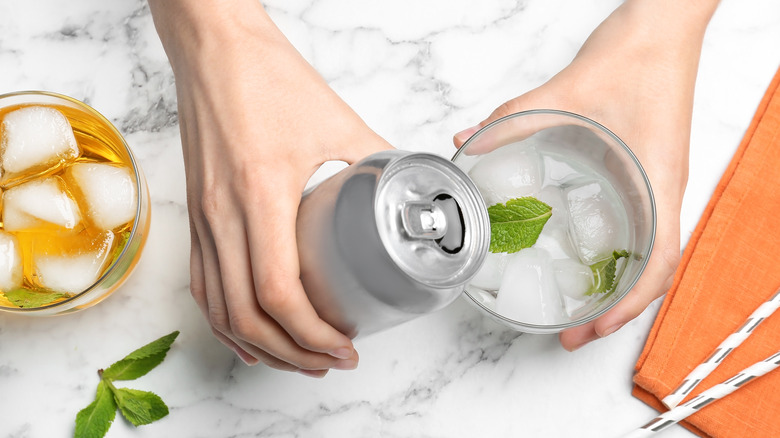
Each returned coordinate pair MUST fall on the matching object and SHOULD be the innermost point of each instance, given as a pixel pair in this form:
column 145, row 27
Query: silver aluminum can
column 392, row 237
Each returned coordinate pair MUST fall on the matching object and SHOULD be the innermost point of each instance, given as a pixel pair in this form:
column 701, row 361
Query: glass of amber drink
column 74, row 205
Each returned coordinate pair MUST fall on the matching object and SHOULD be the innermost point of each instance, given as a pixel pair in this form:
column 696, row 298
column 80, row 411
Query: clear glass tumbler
column 594, row 184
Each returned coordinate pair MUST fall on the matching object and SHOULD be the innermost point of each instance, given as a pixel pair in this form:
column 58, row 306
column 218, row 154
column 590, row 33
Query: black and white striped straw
column 724, row 349
column 718, row 391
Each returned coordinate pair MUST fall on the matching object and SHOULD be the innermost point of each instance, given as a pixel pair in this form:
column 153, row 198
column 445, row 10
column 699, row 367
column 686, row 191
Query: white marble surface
column 417, row 72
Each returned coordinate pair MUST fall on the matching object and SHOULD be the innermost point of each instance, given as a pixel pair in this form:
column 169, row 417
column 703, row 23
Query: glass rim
column 553, row 328
column 93, row 112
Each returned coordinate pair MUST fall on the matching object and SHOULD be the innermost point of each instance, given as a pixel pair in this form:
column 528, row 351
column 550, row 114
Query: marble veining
column 417, row 72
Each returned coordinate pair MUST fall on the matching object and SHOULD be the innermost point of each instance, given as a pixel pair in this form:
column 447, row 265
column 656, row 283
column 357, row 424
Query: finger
column 317, row 374
column 218, row 315
column 216, row 308
column 240, row 352
column 519, row 118
column 365, row 144
column 198, row 290
column 197, row 278
column 249, row 325
column 252, row 359
column 277, row 283
column 655, row 281
column 216, row 305
column 513, row 129
column 575, row 337
column 217, row 312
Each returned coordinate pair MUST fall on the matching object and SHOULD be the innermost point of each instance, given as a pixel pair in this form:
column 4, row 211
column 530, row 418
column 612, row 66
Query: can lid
column 432, row 220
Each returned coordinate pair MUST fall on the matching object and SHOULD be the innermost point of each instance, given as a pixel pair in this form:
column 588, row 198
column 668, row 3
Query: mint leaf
column 604, row 273
column 623, row 254
column 142, row 360
column 140, row 407
column 131, row 369
column 29, row 298
column 161, row 345
column 94, row 420
column 603, row 276
column 517, row 224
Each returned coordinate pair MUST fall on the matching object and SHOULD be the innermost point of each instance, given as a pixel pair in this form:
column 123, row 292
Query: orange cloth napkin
column 730, row 266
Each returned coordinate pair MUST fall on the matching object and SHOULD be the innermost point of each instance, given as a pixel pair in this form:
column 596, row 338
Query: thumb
column 362, row 145
column 524, row 102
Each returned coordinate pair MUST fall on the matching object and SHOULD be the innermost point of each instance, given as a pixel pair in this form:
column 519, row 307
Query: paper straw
column 724, row 349
column 718, row 391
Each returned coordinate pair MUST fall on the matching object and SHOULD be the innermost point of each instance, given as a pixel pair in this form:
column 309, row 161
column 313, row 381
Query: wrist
column 193, row 28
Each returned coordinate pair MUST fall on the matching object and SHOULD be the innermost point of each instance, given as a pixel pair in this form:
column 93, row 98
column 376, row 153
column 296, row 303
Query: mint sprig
column 604, row 273
column 138, row 407
column 517, row 224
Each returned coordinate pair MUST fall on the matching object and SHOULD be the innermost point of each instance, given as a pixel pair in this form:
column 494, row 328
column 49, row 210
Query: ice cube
column 554, row 237
column 34, row 139
column 557, row 171
column 528, row 292
column 10, row 262
column 71, row 264
column 511, row 171
column 556, row 242
column 39, row 203
column 597, row 221
column 489, row 275
column 109, row 192
column 553, row 196
column 573, row 278
column 68, row 274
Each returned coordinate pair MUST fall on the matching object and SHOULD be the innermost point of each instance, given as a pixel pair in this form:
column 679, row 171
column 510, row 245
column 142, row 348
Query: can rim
column 480, row 241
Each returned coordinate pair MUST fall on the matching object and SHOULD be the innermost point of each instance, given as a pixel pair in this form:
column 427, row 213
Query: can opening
column 452, row 241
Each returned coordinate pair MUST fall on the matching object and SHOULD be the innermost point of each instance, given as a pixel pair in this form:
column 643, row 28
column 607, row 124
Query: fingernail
column 464, row 135
column 342, row 353
column 249, row 360
column 317, row 374
column 346, row 364
column 611, row 330
column 243, row 355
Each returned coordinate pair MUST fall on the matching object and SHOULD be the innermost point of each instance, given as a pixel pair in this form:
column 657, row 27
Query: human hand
column 635, row 75
column 256, row 122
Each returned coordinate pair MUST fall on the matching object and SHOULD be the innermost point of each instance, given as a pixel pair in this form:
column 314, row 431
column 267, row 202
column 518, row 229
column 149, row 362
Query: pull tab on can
column 424, row 220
